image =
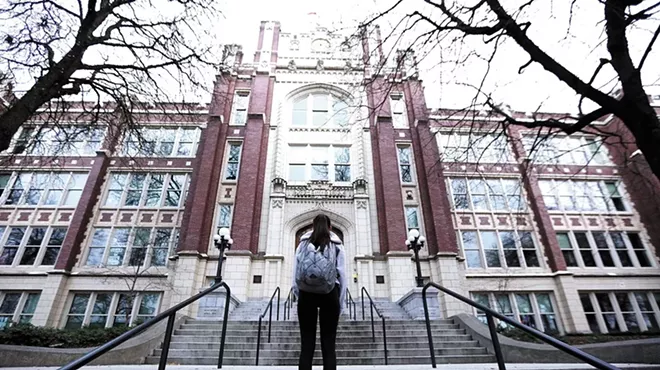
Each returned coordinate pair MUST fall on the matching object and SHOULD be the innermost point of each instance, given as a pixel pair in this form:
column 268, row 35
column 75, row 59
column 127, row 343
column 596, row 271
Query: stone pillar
column 237, row 273
column 52, row 301
column 569, row 306
column 451, row 275
column 401, row 274
column 187, row 280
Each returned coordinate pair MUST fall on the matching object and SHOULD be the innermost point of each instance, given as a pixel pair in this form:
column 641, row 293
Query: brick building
column 111, row 230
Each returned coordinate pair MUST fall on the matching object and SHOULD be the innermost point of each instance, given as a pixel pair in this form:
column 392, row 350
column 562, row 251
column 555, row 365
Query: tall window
column 319, row 162
column 532, row 309
column 156, row 141
column 412, row 218
column 487, row 194
column 108, row 309
column 566, row 150
column 320, row 110
column 59, row 141
column 143, row 189
column 30, row 246
column 123, row 246
column 233, row 161
column 224, row 216
column 43, row 188
column 614, row 312
column 239, row 111
column 17, row 307
column 573, row 195
column 398, row 107
column 405, row 163
column 601, row 249
column 499, row 249
column 474, row 148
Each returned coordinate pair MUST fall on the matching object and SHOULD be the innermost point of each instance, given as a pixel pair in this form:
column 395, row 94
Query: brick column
column 197, row 220
column 536, row 203
column 389, row 202
column 433, row 192
column 75, row 235
column 251, row 175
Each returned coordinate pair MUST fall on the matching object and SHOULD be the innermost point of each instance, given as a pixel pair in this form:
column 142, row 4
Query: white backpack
column 316, row 271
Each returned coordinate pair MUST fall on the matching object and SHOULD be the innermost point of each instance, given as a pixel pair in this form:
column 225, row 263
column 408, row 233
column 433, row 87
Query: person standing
column 319, row 283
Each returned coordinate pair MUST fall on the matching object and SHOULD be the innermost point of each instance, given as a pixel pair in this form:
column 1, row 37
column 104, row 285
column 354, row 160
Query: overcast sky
column 579, row 50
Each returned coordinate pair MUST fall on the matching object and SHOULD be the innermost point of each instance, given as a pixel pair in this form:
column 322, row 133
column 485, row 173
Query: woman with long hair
column 319, row 282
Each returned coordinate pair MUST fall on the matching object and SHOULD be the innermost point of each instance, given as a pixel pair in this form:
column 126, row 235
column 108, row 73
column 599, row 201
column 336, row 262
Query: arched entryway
column 308, row 228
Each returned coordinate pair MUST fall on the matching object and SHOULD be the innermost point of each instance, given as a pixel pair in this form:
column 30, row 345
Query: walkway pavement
column 391, row 367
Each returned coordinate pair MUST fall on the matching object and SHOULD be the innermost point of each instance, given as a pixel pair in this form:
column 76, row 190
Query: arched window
column 318, row 109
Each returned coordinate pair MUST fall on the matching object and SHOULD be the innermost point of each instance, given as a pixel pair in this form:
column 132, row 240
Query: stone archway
column 307, row 228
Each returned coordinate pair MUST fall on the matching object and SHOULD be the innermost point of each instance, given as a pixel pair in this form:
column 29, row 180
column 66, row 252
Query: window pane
column 621, row 249
column 603, row 249
column 411, row 218
column 586, row 251
column 489, row 242
column 10, row 302
column 319, row 172
column 524, row 303
column 604, row 302
column 297, row 172
column 586, row 303
column 123, row 311
column 342, row 155
column 471, row 249
column 510, row 249
column 342, row 173
column 79, row 304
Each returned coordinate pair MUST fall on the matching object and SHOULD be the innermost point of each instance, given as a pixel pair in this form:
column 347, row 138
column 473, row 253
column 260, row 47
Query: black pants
column 328, row 311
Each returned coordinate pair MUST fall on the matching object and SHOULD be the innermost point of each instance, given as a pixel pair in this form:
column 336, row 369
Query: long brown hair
column 321, row 234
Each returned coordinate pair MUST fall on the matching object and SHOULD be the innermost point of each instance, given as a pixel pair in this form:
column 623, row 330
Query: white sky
column 579, row 52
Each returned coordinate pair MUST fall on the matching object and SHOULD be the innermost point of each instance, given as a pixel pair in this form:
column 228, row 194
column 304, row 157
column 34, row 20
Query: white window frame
column 513, row 302
column 398, row 110
column 474, row 147
column 489, row 194
column 129, row 246
column 611, row 249
column 144, row 192
column 78, row 141
column 112, row 308
column 567, row 150
column 413, row 174
column 69, row 188
column 418, row 215
column 177, row 141
column 520, row 251
column 227, row 162
column 240, row 105
column 334, row 114
column 621, row 322
column 557, row 189
column 43, row 246
column 19, row 310
column 307, row 160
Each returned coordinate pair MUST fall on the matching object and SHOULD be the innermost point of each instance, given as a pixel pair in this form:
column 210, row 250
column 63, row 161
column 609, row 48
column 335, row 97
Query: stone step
column 340, row 339
column 342, row 361
column 340, row 346
column 349, row 333
column 295, row 353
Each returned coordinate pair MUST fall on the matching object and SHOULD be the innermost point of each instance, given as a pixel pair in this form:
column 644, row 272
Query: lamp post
column 416, row 242
column 222, row 241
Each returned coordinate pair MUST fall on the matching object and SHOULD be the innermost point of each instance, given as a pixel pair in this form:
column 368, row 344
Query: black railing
column 269, row 308
column 351, row 303
column 491, row 315
column 287, row 305
column 373, row 307
column 170, row 314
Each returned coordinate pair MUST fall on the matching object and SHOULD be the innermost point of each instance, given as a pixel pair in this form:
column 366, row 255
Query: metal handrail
column 287, row 305
column 591, row 360
column 268, row 308
column 171, row 315
column 373, row 329
column 350, row 302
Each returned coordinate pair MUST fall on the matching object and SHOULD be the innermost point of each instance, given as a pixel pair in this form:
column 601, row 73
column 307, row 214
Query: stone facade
column 315, row 125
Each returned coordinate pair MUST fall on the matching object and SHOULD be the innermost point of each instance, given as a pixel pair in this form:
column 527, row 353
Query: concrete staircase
column 198, row 342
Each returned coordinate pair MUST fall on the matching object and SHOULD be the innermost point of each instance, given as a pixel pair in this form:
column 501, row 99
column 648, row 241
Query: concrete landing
column 378, row 367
